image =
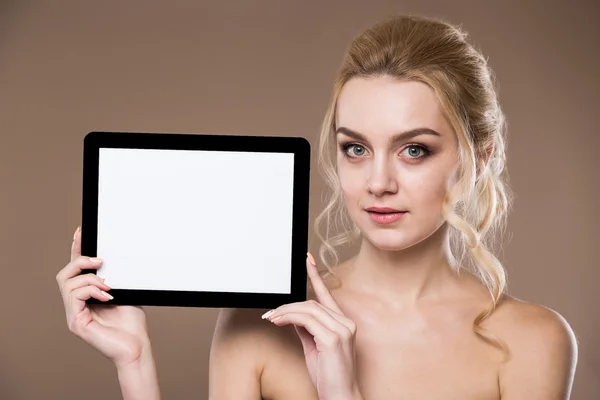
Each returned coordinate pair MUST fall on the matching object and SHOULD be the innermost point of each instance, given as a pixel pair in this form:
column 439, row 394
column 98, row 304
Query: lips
column 384, row 215
column 383, row 210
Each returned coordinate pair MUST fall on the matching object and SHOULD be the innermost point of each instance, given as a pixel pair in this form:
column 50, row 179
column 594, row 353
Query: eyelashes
column 422, row 150
column 344, row 147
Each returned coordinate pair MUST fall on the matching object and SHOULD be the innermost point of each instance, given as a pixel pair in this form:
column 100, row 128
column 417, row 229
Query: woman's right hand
column 120, row 333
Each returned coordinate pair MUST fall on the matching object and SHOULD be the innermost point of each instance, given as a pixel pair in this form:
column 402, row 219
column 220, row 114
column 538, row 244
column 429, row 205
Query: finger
column 308, row 343
column 321, row 335
column 77, row 298
column 76, row 245
column 77, row 317
column 75, row 267
column 83, row 280
column 319, row 287
column 332, row 320
column 303, row 306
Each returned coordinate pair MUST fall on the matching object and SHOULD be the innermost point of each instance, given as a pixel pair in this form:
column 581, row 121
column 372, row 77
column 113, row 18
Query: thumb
column 308, row 343
column 76, row 245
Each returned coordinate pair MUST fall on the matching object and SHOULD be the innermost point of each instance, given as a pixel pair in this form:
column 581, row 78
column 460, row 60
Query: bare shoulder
column 525, row 323
column 241, row 345
column 245, row 318
column 243, row 332
column 265, row 361
column 523, row 318
column 543, row 350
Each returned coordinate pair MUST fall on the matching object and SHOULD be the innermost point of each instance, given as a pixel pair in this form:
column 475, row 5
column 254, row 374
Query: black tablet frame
column 300, row 147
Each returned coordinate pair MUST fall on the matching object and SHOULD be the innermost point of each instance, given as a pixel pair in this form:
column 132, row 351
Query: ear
column 483, row 163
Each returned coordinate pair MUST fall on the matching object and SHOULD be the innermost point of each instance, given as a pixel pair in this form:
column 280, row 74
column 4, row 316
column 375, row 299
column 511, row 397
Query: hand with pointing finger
column 327, row 337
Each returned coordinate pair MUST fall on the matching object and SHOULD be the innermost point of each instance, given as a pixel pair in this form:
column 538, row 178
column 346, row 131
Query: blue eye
column 415, row 150
column 358, row 150
column 355, row 150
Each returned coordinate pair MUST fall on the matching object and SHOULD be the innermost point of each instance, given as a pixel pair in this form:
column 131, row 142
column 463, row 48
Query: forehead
column 385, row 105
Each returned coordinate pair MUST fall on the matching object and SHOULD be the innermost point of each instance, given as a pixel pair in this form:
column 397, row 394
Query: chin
column 398, row 239
column 389, row 240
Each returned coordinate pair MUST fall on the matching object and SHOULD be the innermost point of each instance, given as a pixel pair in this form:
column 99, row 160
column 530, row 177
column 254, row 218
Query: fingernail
column 76, row 232
column 96, row 260
column 107, row 295
column 267, row 314
column 311, row 259
column 276, row 318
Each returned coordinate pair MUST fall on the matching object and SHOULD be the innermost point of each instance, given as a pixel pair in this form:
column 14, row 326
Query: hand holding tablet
column 182, row 220
column 119, row 333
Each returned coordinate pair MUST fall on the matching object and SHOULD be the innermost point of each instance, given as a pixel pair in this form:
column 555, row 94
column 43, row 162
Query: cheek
column 428, row 188
column 352, row 184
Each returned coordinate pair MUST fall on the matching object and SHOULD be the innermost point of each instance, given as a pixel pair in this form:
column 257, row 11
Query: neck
column 405, row 276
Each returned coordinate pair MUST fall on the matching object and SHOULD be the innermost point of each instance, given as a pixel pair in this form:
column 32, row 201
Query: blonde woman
column 413, row 150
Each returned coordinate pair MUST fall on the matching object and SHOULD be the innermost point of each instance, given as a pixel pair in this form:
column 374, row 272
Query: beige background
column 266, row 68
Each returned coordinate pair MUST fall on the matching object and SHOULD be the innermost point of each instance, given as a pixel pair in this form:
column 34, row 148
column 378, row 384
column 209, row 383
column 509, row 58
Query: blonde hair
column 436, row 53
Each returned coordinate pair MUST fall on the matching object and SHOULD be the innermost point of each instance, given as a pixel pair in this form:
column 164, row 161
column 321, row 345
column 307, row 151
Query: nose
column 382, row 177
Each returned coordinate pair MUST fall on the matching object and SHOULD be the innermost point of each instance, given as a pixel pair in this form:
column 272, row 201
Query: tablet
column 195, row 220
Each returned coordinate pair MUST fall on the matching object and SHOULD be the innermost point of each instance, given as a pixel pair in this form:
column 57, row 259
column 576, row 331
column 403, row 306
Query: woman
column 413, row 151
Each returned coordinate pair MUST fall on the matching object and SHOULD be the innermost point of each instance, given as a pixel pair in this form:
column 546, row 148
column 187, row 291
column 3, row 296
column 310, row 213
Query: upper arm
column 236, row 358
column 543, row 357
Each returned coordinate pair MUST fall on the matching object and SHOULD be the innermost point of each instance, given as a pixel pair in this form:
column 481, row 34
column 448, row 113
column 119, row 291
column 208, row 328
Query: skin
column 119, row 333
column 411, row 314
column 399, row 323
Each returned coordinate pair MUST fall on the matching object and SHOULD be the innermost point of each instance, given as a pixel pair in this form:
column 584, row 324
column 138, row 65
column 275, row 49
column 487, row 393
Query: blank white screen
column 195, row 220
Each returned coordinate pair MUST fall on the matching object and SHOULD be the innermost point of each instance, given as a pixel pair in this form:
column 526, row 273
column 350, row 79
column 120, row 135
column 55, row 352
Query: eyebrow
column 395, row 139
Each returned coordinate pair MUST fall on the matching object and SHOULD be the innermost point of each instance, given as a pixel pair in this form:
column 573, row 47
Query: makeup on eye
column 346, row 146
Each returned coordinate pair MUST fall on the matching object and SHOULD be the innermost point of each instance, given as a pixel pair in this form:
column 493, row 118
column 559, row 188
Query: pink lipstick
column 384, row 215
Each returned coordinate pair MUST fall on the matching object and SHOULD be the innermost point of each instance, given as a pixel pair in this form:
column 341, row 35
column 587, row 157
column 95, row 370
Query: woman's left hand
column 327, row 337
